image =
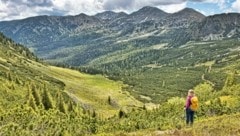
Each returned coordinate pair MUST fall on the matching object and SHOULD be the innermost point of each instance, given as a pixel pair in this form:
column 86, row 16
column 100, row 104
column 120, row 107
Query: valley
column 120, row 74
column 147, row 49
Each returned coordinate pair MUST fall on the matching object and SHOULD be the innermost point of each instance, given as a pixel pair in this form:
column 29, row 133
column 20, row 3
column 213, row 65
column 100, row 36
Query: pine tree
column 17, row 81
column 31, row 102
column 60, row 104
column 144, row 107
column 94, row 114
column 36, row 95
column 109, row 100
column 230, row 80
column 70, row 106
column 27, row 95
column 9, row 76
column 121, row 113
column 47, row 100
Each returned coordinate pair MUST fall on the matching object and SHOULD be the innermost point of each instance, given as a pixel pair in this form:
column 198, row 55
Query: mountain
column 42, row 30
column 218, row 27
column 115, row 43
column 110, row 15
column 148, row 41
column 184, row 18
column 39, row 99
column 147, row 14
column 189, row 14
column 45, row 35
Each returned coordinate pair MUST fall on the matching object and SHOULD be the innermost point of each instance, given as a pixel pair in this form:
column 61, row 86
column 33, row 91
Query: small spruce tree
column 32, row 103
column 60, row 103
column 36, row 95
column 47, row 100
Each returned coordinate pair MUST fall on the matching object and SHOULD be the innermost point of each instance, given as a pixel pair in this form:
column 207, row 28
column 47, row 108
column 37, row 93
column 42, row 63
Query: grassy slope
column 221, row 125
column 92, row 91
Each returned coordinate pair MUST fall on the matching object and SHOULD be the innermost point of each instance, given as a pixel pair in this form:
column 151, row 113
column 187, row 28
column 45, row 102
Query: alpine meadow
column 119, row 74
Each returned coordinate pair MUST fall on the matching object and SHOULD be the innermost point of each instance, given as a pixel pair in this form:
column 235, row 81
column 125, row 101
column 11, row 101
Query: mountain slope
column 20, row 71
column 38, row 99
column 165, row 72
column 147, row 14
column 86, row 38
column 184, row 18
column 40, row 31
column 218, row 27
column 164, row 53
column 45, row 34
column 110, row 15
column 222, row 125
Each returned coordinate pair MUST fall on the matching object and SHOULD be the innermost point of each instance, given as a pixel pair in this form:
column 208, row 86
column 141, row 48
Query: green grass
column 222, row 126
column 226, row 125
column 89, row 91
column 92, row 91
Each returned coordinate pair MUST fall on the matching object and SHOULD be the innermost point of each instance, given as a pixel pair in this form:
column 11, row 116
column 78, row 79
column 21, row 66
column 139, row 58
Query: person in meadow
column 190, row 107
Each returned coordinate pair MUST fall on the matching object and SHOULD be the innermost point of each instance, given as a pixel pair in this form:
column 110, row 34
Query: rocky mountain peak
column 110, row 15
column 217, row 27
column 148, row 13
column 184, row 18
column 189, row 13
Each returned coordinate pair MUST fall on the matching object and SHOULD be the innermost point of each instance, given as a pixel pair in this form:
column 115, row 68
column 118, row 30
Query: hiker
column 190, row 107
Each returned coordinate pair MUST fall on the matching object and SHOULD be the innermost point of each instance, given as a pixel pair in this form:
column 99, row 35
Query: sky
column 19, row 9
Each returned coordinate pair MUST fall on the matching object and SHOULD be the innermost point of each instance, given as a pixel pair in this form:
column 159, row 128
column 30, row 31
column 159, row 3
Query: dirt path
column 203, row 78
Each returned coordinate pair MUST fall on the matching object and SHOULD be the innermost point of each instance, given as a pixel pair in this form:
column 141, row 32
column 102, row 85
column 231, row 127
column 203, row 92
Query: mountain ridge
column 47, row 35
column 38, row 99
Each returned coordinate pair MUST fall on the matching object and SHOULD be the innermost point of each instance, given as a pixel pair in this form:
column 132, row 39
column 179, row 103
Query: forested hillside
column 38, row 99
column 141, row 66
column 162, row 73
column 159, row 55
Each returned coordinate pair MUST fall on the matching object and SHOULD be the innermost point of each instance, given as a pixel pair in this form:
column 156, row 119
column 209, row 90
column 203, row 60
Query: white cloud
column 222, row 4
column 236, row 6
column 133, row 5
column 18, row 9
column 73, row 7
column 3, row 8
column 174, row 7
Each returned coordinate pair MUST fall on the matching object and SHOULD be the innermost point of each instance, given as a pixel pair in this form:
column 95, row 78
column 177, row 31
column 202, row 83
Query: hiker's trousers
column 189, row 116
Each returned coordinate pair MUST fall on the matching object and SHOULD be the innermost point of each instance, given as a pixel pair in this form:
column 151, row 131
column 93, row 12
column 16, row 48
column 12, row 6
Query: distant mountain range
column 78, row 40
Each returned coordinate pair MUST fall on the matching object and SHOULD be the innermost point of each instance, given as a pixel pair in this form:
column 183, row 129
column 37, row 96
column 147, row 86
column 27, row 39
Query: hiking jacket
column 188, row 102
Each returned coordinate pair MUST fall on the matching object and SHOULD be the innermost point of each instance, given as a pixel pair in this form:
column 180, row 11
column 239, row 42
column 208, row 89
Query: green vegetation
column 38, row 99
column 221, row 126
column 166, row 72
column 33, row 93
